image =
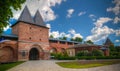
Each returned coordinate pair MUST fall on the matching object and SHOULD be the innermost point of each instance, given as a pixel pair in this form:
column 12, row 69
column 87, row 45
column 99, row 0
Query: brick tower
column 32, row 36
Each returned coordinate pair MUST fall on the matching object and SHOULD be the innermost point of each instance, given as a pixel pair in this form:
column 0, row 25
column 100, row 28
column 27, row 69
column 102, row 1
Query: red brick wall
column 59, row 46
column 8, row 51
column 15, row 29
column 32, row 33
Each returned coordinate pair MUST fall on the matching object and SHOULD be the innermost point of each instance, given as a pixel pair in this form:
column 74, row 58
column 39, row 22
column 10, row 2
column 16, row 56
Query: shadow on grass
column 4, row 67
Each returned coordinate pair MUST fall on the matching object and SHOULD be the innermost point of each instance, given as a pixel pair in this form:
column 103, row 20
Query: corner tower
column 108, row 42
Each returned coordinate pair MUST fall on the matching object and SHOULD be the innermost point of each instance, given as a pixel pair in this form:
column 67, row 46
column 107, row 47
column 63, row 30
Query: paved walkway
column 49, row 65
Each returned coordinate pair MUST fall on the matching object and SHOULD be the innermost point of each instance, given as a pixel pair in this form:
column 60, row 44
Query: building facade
column 30, row 40
column 73, row 50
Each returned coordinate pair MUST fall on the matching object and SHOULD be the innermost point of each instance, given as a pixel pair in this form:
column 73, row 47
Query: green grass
column 4, row 67
column 86, row 64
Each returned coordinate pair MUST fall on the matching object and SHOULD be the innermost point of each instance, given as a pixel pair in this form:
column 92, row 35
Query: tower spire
column 38, row 19
column 108, row 42
column 26, row 16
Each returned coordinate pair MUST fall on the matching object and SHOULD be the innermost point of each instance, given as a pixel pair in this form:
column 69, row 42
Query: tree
column 72, row 39
column 51, row 36
column 6, row 13
column 117, row 48
column 63, row 38
column 114, row 51
column 77, row 39
column 112, row 48
column 89, row 41
column 82, row 53
column 97, row 52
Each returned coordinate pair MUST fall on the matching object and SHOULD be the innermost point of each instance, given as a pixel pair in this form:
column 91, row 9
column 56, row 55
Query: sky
column 89, row 19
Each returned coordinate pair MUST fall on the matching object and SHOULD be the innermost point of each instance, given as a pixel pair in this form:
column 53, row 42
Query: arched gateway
column 34, row 54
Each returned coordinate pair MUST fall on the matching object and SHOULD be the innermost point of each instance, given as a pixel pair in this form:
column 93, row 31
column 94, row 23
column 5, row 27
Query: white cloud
column 100, row 32
column 74, row 34
column 72, row 31
column 6, row 28
column 101, row 21
column 115, row 9
column 77, row 35
column 64, row 34
column 55, row 34
column 44, row 7
column 47, row 14
column 116, row 20
column 81, row 13
column 70, row 34
column 70, row 12
column 92, row 16
column 117, row 32
column 117, row 40
column 48, row 25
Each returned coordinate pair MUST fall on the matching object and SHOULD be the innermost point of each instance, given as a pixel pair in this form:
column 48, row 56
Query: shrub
column 66, row 58
column 87, row 57
column 82, row 53
column 96, row 52
column 62, row 56
column 98, row 57
column 113, row 53
column 56, row 55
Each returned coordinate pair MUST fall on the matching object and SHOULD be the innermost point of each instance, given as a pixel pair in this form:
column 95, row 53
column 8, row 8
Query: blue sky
column 89, row 19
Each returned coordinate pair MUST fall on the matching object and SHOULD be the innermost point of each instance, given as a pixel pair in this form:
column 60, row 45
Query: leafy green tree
column 51, row 36
column 97, row 52
column 82, row 53
column 6, row 13
column 63, row 38
column 112, row 48
column 89, row 41
column 117, row 48
column 77, row 39
column 72, row 39
column 114, row 51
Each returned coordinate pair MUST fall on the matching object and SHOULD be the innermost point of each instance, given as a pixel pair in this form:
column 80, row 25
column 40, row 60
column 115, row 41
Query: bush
column 98, row 57
column 55, row 55
column 61, row 56
column 96, row 52
column 66, row 58
column 113, row 53
column 87, row 57
column 82, row 53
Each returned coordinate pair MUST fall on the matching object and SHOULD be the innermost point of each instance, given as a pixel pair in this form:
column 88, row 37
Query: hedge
column 98, row 57
column 88, row 57
column 66, row 58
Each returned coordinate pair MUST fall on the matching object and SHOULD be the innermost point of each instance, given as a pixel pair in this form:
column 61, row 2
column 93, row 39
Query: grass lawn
column 4, row 67
column 87, row 64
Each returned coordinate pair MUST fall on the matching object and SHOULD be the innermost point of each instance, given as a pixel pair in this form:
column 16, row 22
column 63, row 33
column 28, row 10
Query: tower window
column 29, row 37
column 40, row 39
